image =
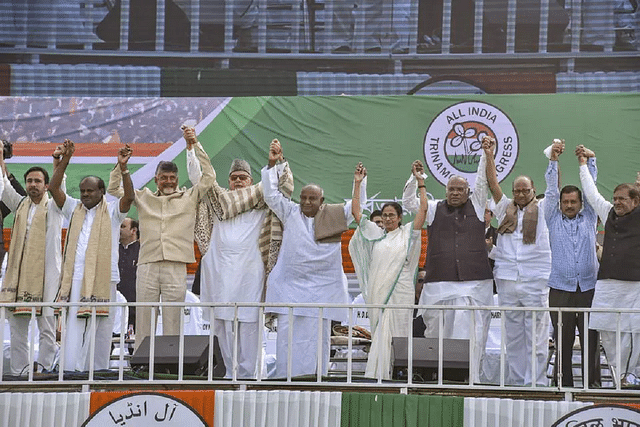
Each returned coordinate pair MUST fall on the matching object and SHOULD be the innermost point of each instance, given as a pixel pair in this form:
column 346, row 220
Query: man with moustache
column 574, row 267
column 618, row 281
column 457, row 264
column 239, row 238
column 90, row 261
column 522, row 265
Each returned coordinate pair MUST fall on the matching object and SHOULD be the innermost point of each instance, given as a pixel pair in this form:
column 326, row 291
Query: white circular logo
column 146, row 409
column 608, row 415
column 453, row 143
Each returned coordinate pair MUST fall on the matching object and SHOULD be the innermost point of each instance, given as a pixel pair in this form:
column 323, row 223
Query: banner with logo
column 325, row 137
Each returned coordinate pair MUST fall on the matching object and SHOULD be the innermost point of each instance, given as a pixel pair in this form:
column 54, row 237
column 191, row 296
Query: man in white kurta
column 232, row 270
column 53, row 254
column 476, row 290
column 79, row 330
column 521, row 273
column 307, row 271
column 618, row 284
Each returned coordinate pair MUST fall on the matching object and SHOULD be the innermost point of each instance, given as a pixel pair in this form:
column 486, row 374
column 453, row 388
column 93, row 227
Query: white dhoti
column 458, row 323
column 518, row 328
column 304, row 346
column 247, row 348
column 616, row 295
column 77, row 343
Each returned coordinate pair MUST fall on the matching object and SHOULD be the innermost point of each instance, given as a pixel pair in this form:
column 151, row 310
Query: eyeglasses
column 239, row 177
column 389, row 216
column 524, row 192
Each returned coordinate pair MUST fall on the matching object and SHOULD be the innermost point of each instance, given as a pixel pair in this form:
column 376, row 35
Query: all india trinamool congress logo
column 453, row 143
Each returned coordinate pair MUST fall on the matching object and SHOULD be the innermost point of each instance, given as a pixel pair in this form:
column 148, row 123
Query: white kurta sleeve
column 193, row 167
column 272, row 196
column 348, row 214
column 593, row 196
column 481, row 189
column 10, row 196
column 410, row 202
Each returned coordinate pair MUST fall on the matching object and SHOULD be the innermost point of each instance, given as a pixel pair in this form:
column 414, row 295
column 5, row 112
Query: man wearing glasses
column 522, row 266
column 236, row 258
column 457, row 266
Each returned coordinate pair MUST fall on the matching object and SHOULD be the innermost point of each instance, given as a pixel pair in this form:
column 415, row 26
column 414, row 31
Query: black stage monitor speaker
column 455, row 357
column 196, row 355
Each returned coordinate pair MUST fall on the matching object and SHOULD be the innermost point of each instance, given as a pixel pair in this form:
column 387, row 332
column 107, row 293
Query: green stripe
column 398, row 410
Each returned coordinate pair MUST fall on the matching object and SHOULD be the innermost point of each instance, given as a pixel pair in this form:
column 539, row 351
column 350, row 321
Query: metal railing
column 125, row 374
column 309, row 29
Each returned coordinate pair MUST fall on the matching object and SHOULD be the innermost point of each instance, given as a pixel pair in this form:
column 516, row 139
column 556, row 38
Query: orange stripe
column 86, row 149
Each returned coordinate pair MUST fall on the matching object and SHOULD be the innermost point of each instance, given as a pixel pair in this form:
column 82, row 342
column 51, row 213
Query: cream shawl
column 24, row 278
column 96, row 283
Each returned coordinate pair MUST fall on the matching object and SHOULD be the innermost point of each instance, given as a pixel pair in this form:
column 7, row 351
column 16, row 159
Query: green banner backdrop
column 324, row 137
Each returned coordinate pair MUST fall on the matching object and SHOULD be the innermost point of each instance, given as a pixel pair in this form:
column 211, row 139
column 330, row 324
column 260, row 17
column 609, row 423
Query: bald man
column 522, row 267
column 457, row 265
column 308, row 270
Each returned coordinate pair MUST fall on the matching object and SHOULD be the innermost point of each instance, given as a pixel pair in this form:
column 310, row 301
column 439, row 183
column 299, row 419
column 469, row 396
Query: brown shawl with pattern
column 220, row 203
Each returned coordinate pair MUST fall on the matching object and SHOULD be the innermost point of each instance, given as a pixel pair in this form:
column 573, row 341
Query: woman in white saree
column 386, row 262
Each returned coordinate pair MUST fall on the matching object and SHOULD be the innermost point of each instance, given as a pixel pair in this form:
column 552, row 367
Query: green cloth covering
column 400, row 410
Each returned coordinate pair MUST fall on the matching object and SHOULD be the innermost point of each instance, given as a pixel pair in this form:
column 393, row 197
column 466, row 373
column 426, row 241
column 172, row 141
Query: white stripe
column 89, row 160
column 145, row 173
column 148, row 171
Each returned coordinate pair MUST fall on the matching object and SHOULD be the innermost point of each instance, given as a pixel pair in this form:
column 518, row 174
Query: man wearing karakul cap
column 239, row 238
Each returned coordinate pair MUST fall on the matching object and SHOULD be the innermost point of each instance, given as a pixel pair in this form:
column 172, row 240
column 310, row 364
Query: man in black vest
column 618, row 285
column 129, row 249
column 457, row 265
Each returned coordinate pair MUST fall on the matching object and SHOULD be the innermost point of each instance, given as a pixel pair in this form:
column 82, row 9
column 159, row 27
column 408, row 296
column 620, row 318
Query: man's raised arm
column 129, row 195
column 208, row 176
column 591, row 193
column 417, row 169
column 276, row 201
column 55, row 185
column 489, row 146
column 552, row 177
column 358, row 177
column 481, row 187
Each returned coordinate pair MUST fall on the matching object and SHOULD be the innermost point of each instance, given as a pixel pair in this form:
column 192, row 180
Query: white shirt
column 515, row 260
column 53, row 239
column 116, row 216
column 601, row 205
